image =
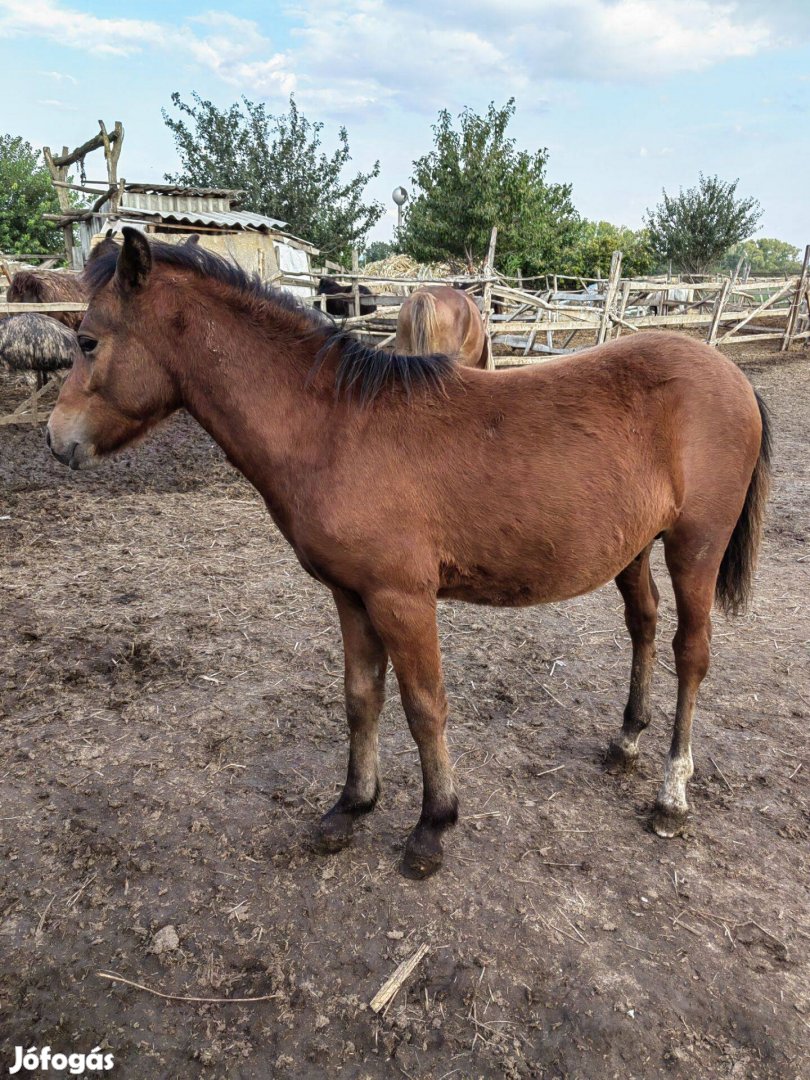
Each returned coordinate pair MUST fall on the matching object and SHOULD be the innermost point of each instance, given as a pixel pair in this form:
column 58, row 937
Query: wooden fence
column 536, row 324
column 551, row 321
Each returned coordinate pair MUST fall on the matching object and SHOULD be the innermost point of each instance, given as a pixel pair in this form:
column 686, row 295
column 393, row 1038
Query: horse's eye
column 87, row 344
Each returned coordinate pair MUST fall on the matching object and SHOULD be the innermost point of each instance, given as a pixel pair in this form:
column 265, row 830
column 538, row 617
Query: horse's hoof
column 423, row 854
column 618, row 759
column 667, row 821
column 333, row 833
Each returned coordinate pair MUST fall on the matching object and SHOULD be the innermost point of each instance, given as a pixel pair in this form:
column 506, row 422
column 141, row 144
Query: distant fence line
column 767, row 308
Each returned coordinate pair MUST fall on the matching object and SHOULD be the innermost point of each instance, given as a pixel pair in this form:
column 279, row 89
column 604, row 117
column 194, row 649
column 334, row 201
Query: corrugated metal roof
column 232, row 219
column 175, row 189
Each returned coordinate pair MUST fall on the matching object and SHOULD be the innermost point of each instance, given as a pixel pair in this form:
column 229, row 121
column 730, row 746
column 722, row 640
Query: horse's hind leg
column 640, row 596
column 693, row 559
column 366, row 661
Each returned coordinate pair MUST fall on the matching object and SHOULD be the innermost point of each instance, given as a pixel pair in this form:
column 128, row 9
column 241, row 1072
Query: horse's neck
column 249, row 391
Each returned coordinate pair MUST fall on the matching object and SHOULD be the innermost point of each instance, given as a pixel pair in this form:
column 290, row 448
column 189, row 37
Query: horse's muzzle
column 70, row 454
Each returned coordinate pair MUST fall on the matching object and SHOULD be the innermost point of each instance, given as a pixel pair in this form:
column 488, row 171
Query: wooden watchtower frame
column 111, row 142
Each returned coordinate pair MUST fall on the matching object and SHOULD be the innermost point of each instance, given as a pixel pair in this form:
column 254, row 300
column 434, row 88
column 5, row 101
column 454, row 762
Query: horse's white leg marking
column 672, row 795
column 627, row 743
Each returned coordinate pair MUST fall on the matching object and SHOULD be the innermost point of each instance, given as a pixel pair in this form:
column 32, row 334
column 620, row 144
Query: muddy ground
column 171, row 702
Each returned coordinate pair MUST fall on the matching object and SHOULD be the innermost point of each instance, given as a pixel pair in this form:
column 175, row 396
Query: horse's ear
column 104, row 247
column 134, row 261
column 192, row 240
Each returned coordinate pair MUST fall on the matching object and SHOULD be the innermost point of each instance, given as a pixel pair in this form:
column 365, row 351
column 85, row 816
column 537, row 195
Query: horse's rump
column 440, row 319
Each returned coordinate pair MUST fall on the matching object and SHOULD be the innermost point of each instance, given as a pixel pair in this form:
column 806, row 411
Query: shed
column 260, row 244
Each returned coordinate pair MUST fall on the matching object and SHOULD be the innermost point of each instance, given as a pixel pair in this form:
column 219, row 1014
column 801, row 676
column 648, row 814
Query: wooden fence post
column 717, row 313
column 796, row 303
column 533, row 334
column 355, row 280
column 623, row 305
column 59, row 172
column 486, row 307
column 610, row 295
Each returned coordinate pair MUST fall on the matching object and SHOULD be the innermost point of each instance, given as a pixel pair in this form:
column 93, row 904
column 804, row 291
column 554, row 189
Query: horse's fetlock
column 442, row 816
column 621, row 756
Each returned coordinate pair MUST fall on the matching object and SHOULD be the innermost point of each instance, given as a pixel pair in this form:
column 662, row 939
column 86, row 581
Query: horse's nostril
column 48, row 437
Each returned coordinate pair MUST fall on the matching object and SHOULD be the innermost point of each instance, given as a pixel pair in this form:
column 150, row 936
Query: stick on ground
column 389, row 990
column 179, row 997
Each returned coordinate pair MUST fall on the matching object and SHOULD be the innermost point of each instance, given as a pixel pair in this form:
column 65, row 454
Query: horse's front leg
column 407, row 625
column 366, row 660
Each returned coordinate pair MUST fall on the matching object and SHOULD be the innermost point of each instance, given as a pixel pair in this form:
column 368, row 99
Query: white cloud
column 424, row 50
column 423, row 55
column 54, row 103
column 58, row 76
column 352, row 55
column 53, row 22
column 234, row 49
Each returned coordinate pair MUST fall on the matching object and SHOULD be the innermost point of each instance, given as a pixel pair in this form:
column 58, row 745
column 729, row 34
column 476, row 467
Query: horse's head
column 117, row 388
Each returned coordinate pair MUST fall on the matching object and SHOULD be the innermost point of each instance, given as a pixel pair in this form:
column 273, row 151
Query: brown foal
column 439, row 319
column 399, row 481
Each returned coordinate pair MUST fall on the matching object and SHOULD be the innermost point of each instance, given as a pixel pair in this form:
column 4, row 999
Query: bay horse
column 441, row 319
column 46, row 287
column 400, row 481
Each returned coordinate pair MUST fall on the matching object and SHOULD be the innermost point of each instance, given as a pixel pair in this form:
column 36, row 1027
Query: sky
column 629, row 96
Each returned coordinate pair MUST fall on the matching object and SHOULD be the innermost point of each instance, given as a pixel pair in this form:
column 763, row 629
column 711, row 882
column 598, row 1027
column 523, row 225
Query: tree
column 278, row 162
column 695, row 228
column 378, row 250
column 765, row 256
column 595, row 244
column 474, row 178
column 26, row 193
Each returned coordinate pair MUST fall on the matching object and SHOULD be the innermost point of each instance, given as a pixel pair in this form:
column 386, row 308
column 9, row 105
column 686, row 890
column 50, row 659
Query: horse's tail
column 734, row 581
column 424, row 324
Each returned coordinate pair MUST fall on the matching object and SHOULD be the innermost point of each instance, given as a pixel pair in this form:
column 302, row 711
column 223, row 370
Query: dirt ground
column 171, row 703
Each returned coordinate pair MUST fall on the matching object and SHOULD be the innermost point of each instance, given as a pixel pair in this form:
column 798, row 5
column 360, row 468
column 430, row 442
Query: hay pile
column 403, row 266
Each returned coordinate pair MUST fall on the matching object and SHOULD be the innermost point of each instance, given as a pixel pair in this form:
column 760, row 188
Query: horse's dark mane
column 360, row 369
column 366, row 372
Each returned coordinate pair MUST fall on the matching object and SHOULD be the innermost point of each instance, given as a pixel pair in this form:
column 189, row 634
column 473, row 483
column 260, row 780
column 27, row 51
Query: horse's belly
column 523, row 593
column 497, row 594
column 549, row 572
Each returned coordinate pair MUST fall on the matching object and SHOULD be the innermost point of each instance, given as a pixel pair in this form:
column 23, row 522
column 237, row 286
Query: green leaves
column 26, row 193
column 595, row 244
column 278, row 162
column 765, row 255
column 474, row 178
column 695, row 228
column 378, row 250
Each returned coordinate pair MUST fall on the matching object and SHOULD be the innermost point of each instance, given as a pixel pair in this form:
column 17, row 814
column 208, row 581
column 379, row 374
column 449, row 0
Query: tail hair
column 424, row 324
column 735, row 579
